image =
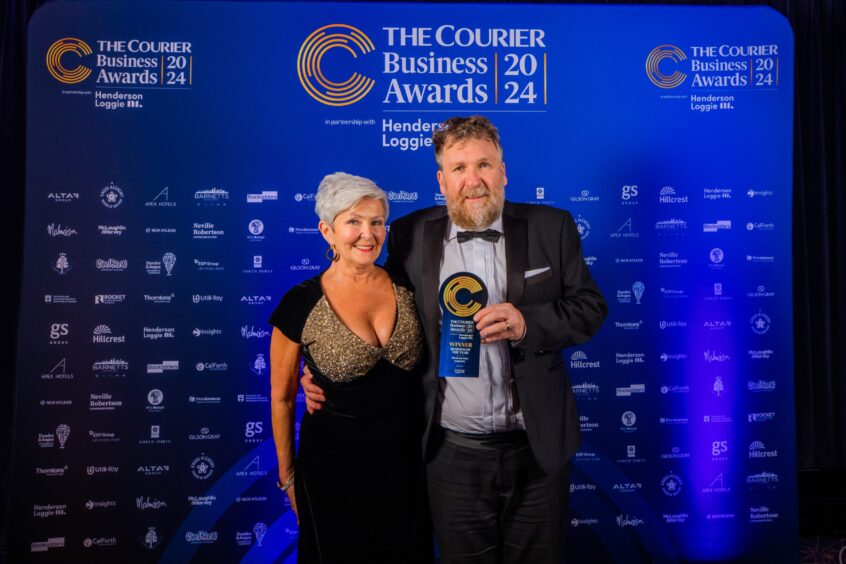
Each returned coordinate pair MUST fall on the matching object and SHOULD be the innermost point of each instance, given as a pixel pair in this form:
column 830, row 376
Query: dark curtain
column 819, row 222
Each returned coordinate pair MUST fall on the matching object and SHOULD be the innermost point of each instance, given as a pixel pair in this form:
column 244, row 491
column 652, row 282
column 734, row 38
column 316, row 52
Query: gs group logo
column 653, row 66
column 310, row 63
column 59, row 54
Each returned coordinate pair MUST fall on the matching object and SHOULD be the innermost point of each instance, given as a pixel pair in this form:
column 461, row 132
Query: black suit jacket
column 562, row 307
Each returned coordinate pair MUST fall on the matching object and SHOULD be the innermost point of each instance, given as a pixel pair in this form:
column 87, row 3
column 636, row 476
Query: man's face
column 472, row 179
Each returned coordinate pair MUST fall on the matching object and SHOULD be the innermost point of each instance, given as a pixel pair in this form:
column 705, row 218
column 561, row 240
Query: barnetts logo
column 211, row 197
column 310, row 73
column 57, row 52
column 653, row 64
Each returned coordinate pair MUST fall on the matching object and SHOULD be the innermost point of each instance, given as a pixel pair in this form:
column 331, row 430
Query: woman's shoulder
column 295, row 305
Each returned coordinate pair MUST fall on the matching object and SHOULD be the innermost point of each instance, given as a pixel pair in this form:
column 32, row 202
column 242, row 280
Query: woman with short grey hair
column 356, row 482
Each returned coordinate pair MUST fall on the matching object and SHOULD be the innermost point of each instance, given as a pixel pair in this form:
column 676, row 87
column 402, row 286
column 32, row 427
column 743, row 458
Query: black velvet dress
column 359, row 474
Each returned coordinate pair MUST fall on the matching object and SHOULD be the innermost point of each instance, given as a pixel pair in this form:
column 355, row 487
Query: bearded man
column 497, row 446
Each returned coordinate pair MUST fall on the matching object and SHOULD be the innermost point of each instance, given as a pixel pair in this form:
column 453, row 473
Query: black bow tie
column 491, row 235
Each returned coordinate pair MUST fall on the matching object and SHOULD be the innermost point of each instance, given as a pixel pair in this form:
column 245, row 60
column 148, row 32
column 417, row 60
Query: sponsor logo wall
column 157, row 248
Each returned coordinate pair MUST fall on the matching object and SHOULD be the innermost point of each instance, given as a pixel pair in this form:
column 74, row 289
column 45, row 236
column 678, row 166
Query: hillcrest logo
column 653, row 70
column 311, row 75
column 55, row 53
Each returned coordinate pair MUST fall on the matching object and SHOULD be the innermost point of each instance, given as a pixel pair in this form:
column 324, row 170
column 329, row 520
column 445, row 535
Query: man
column 497, row 447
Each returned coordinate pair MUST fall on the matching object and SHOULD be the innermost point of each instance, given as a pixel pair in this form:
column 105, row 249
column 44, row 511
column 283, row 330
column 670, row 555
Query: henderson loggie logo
column 316, row 45
column 653, row 62
column 55, row 53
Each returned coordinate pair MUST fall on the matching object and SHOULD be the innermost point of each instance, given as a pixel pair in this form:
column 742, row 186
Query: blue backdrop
column 173, row 154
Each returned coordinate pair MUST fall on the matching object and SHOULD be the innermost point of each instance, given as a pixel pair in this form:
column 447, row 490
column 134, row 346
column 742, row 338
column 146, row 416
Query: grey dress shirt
column 487, row 404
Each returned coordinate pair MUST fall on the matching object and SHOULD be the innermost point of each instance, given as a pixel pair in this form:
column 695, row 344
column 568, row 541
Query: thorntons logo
column 160, row 299
column 56, row 230
column 580, row 360
column 628, row 325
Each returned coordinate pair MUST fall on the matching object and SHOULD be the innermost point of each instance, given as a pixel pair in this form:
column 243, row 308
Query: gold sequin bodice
column 342, row 356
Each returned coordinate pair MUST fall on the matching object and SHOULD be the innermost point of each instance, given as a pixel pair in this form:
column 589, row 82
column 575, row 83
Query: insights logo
column 310, row 59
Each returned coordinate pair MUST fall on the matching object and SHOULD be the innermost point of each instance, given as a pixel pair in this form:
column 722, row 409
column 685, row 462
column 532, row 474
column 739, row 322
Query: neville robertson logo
column 58, row 50
column 653, row 66
column 312, row 77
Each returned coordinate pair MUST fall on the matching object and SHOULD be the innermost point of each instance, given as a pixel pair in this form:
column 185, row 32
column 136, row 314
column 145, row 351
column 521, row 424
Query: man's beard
column 473, row 216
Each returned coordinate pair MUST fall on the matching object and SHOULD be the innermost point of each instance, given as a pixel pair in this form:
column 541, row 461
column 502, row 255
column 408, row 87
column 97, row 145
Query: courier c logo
column 309, row 61
column 54, row 60
column 653, row 71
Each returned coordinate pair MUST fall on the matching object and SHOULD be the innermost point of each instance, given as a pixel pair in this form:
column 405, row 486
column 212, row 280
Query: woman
column 357, row 483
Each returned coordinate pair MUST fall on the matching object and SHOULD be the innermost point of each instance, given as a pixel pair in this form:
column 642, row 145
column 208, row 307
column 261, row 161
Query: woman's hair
column 340, row 191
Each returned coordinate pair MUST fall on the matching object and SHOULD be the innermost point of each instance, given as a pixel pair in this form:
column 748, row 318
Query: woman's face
column 358, row 233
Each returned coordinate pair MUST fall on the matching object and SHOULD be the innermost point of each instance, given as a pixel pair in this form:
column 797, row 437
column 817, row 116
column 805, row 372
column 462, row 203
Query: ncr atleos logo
column 672, row 55
column 62, row 60
column 311, row 65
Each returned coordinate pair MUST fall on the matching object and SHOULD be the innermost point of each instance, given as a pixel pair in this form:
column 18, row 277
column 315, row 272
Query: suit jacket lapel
column 434, row 231
column 516, row 231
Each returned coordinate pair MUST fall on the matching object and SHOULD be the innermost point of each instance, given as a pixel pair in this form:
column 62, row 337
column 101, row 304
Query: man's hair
column 457, row 129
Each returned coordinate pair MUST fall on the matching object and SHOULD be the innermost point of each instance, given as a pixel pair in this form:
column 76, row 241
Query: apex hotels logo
column 54, row 60
column 653, row 62
column 310, row 59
